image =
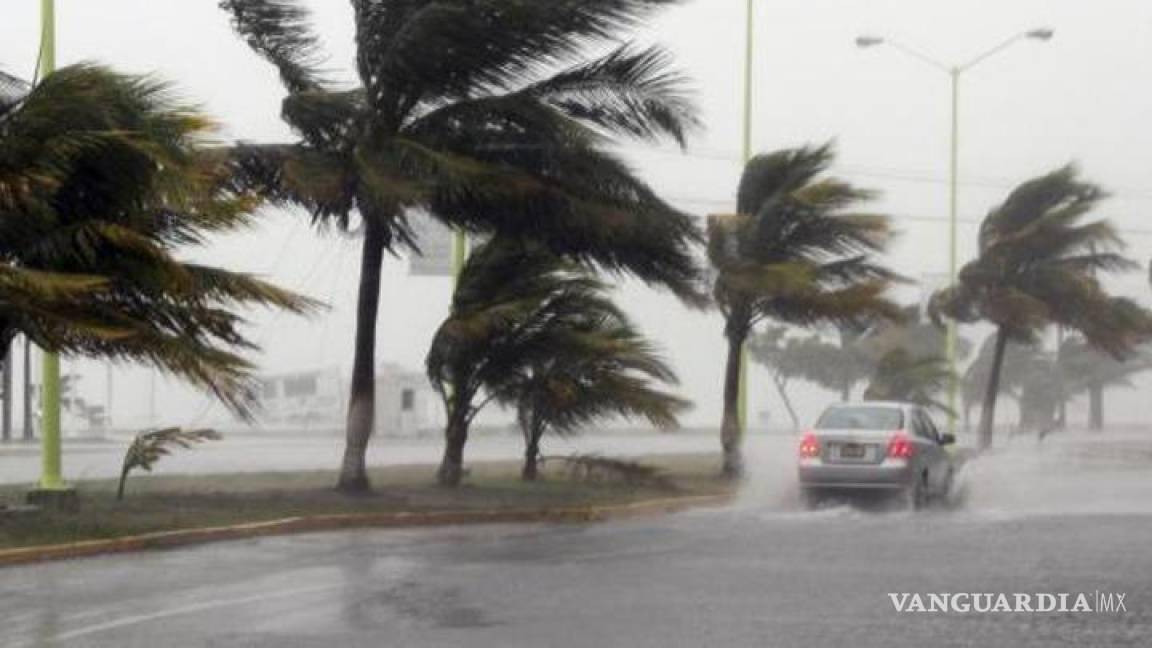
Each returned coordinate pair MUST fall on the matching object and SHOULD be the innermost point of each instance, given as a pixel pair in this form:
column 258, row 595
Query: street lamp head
column 868, row 41
column 1042, row 34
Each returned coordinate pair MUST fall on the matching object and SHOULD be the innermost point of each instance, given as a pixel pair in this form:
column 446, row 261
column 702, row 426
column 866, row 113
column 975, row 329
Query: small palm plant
column 535, row 332
column 149, row 447
column 796, row 254
column 1037, row 266
column 599, row 368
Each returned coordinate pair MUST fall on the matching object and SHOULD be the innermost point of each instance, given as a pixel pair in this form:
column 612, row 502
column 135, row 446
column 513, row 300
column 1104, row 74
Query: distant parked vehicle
column 876, row 447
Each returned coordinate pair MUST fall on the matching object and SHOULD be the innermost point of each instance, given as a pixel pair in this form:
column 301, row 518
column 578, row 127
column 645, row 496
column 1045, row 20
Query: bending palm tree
column 902, row 376
column 1037, row 266
column 452, row 117
column 532, row 331
column 102, row 178
column 793, row 254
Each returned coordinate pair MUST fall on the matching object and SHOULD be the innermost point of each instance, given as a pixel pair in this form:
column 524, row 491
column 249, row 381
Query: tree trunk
column 1096, row 407
column 120, row 486
column 532, row 434
column 362, row 400
column 731, row 434
column 780, row 388
column 531, row 471
column 988, row 414
column 29, row 431
column 455, row 437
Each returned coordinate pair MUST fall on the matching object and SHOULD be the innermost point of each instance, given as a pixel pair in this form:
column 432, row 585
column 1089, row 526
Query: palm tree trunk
column 532, row 434
column 362, row 401
column 1096, row 407
column 988, row 414
column 780, row 388
column 455, row 437
column 731, row 435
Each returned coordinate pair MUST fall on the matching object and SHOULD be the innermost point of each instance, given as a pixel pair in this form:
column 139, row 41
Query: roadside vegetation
column 166, row 503
column 502, row 121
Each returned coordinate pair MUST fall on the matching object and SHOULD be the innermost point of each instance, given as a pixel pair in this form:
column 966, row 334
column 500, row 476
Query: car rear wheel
column 914, row 496
column 809, row 499
column 945, row 494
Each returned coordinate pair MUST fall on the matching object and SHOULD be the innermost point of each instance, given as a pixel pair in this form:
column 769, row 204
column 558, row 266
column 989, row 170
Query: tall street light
column 745, row 155
column 955, row 72
column 52, row 491
column 50, row 478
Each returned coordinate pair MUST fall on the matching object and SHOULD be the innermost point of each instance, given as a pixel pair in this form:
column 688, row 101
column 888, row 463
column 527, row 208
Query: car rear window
column 861, row 418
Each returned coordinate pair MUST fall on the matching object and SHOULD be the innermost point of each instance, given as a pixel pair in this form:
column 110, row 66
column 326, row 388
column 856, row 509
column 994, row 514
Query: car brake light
column 809, row 446
column 900, row 446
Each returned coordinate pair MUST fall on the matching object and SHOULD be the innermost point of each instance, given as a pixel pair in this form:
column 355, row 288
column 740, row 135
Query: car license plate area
column 852, row 452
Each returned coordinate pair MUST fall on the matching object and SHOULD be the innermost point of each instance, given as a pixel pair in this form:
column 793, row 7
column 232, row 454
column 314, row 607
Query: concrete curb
column 310, row 524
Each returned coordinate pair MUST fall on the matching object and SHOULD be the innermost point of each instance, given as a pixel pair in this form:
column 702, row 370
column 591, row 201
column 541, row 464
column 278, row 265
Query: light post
column 50, row 477
column 954, row 72
column 745, row 155
column 52, row 491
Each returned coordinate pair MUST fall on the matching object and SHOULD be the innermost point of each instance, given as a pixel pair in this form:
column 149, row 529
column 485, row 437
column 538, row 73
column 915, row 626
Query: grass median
column 167, row 503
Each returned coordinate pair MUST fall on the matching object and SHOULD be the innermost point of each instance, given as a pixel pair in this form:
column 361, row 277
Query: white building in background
column 406, row 405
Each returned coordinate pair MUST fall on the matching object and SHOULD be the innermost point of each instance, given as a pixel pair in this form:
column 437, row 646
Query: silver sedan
column 876, row 447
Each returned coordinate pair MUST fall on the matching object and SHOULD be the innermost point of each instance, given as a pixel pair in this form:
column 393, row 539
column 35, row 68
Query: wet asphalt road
column 720, row 578
column 760, row 573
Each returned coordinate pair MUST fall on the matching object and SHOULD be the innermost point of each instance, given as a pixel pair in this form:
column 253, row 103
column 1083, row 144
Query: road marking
column 189, row 609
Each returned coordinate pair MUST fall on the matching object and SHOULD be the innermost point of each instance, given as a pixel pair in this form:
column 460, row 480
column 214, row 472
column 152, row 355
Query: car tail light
column 900, row 446
column 809, row 446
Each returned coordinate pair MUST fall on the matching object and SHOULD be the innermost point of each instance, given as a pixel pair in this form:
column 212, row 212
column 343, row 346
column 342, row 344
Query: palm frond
column 280, row 31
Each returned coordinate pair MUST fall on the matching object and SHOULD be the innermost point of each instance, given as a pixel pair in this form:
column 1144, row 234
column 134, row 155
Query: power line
column 727, row 205
column 885, row 173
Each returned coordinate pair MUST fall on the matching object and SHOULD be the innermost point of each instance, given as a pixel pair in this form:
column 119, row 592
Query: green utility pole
column 459, row 253
column 953, row 232
column 749, row 53
column 50, row 477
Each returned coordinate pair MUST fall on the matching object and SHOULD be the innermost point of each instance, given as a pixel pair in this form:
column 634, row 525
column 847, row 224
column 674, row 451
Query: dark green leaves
column 279, row 30
column 1038, row 265
column 103, row 181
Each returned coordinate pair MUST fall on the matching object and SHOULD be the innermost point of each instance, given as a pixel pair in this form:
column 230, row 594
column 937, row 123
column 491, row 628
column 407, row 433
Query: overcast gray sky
column 1085, row 96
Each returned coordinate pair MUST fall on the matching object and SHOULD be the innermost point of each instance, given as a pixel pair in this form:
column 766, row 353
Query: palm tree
column 104, row 178
column 537, row 333
column 793, row 254
column 1037, row 266
column 598, row 369
column 903, row 376
column 456, row 116
column 1085, row 370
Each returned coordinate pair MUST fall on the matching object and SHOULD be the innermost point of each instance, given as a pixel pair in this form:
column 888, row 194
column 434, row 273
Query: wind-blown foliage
column 149, row 447
column 104, row 178
column 1084, row 370
column 1037, row 266
column 902, row 376
column 537, row 333
column 486, row 115
column 794, row 253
